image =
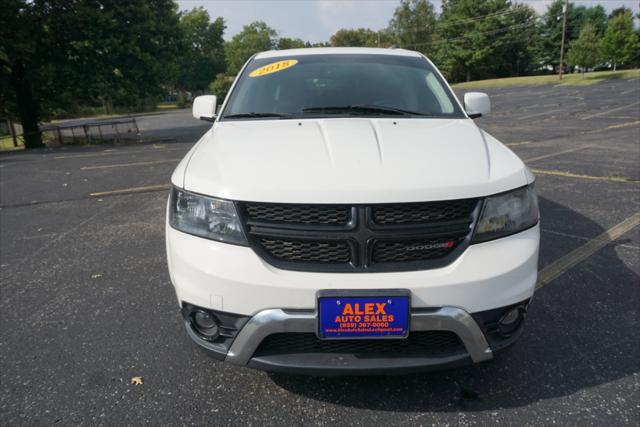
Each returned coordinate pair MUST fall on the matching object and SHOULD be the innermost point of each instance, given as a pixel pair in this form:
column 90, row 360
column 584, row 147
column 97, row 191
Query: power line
column 464, row 37
column 464, row 20
column 508, row 11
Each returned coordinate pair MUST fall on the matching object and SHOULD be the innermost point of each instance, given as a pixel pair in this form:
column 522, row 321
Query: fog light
column 511, row 320
column 205, row 324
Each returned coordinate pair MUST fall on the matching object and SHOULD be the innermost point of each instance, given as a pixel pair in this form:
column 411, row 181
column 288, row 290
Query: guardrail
column 115, row 130
column 81, row 131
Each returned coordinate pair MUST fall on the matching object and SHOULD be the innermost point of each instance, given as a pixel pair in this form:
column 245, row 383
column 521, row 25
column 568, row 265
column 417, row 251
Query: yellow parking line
column 570, row 260
column 121, row 165
column 604, row 129
column 544, row 113
column 582, row 176
column 621, row 125
column 546, row 156
column 132, row 190
column 603, row 113
column 117, row 152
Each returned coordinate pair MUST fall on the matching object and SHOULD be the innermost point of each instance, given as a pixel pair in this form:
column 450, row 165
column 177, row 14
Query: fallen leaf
column 137, row 381
column 96, row 276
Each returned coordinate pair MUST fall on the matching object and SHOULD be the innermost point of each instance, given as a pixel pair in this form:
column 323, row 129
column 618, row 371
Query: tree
column 20, row 27
column 255, row 37
column 473, row 36
column 318, row 44
column 220, row 86
column 122, row 52
column 289, row 43
column 619, row 42
column 202, row 54
column 413, row 25
column 59, row 54
column 583, row 52
column 514, row 52
column 619, row 11
column 596, row 16
column 550, row 32
column 361, row 37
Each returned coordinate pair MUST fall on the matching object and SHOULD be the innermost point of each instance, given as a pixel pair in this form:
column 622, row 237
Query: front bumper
column 483, row 282
column 244, row 349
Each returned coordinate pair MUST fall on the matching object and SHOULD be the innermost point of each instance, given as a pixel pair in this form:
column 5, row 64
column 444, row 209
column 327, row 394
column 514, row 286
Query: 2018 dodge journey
column 344, row 214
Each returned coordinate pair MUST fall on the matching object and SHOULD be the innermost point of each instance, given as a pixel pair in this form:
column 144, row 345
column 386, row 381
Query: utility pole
column 564, row 30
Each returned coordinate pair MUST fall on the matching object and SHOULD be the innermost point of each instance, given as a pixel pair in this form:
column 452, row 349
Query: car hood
column 349, row 160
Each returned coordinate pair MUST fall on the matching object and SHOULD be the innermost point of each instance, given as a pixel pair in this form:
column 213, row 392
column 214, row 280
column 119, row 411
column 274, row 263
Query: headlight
column 205, row 217
column 506, row 214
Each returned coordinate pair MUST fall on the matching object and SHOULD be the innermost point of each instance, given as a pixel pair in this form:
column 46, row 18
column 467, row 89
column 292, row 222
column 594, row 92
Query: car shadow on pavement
column 582, row 331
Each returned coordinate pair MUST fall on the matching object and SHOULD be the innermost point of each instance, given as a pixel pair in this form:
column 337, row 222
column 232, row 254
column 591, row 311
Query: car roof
column 337, row 50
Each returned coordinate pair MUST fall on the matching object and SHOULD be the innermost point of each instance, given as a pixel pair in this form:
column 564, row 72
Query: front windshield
column 329, row 85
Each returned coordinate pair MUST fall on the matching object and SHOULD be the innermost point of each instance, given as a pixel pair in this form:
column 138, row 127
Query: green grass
column 167, row 106
column 6, row 143
column 567, row 80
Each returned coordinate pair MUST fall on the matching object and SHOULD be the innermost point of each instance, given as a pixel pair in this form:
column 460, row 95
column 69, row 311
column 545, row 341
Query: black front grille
column 411, row 250
column 307, row 251
column 420, row 213
column 297, row 214
column 340, row 238
column 423, row 343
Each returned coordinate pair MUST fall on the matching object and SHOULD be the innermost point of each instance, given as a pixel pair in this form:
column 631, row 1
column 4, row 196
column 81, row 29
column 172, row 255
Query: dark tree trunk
column 105, row 105
column 27, row 107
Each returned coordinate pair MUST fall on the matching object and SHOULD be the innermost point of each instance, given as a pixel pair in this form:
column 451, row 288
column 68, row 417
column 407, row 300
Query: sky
column 317, row 20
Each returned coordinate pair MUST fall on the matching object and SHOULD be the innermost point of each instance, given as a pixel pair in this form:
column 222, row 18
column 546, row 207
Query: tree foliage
column 62, row 53
column 20, row 67
column 202, row 54
column 290, row 43
column 413, row 25
column 479, row 37
column 584, row 51
column 360, row 37
column 253, row 38
column 595, row 16
column 220, row 86
column 619, row 11
column 550, row 32
column 514, row 54
column 620, row 42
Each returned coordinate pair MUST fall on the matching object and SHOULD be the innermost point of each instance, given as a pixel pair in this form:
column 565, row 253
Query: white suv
column 344, row 214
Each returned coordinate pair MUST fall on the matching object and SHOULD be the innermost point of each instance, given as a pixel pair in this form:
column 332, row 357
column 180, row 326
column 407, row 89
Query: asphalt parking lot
column 86, row 302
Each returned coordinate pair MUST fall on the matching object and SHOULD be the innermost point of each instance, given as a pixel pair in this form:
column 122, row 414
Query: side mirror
column 477, row 104
column 204, row 107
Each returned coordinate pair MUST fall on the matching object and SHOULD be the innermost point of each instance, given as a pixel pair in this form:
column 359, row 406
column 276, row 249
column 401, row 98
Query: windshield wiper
column 364, row 108
column 254, row 115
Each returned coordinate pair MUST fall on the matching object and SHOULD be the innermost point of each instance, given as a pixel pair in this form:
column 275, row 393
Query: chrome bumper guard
column 274, row 321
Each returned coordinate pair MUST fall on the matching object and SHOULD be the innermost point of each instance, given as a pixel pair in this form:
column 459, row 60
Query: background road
column 86, row 302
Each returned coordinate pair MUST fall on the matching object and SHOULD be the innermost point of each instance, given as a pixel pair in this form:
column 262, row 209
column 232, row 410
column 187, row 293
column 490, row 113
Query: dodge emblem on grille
column 427, row 246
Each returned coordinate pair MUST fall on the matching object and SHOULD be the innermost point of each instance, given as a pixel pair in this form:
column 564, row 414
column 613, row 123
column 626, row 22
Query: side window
column 438, row 90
